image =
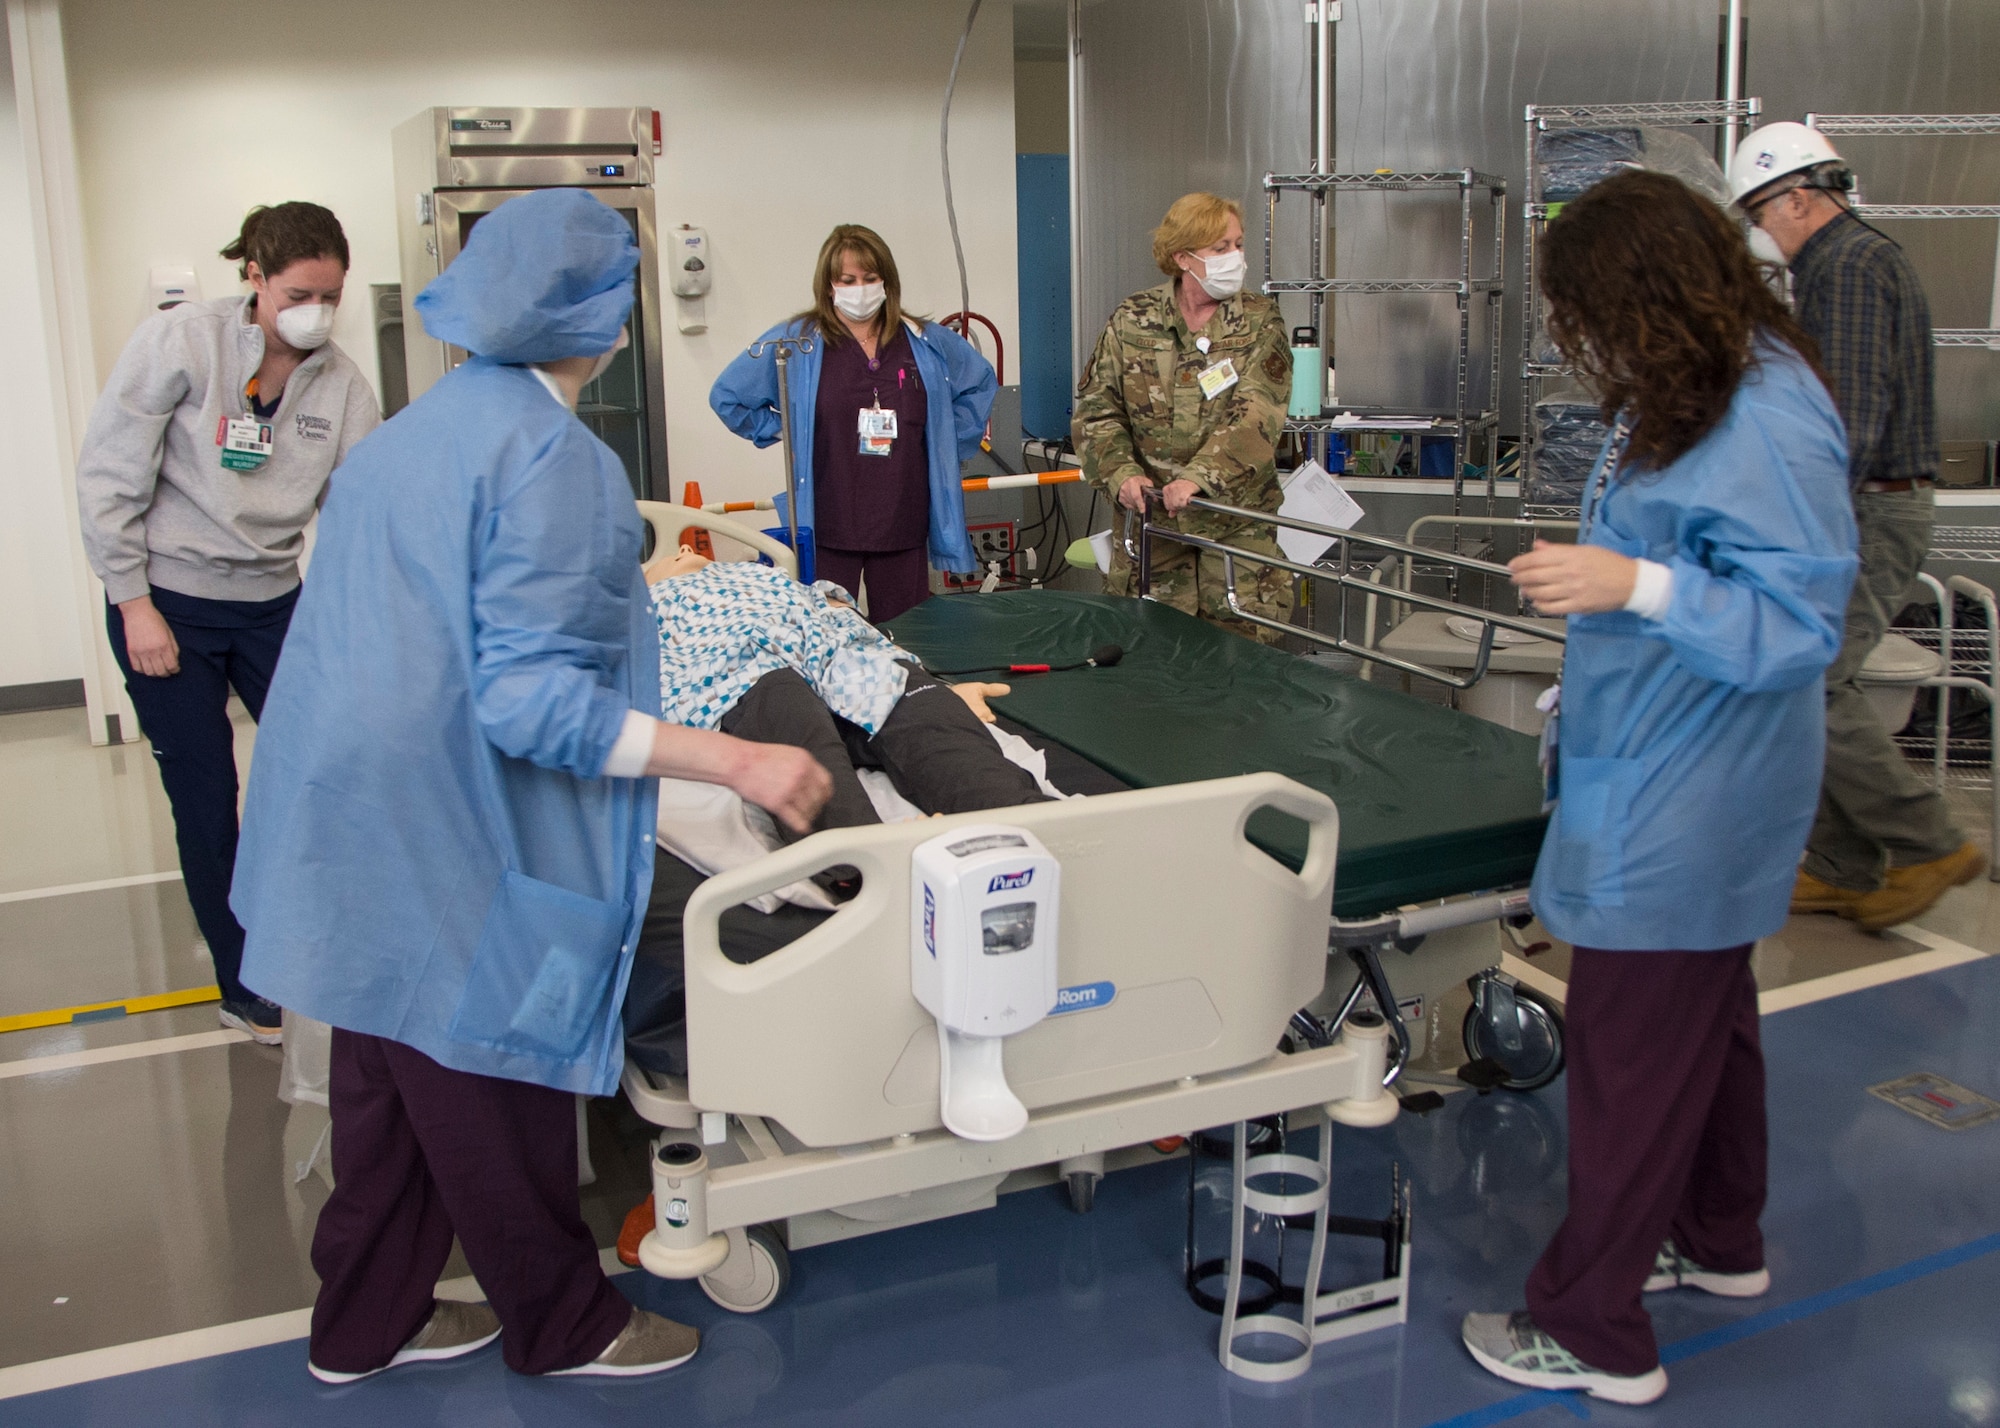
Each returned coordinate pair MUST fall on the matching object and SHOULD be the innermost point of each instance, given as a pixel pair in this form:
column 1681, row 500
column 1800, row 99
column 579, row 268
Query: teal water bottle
column 1308, row 374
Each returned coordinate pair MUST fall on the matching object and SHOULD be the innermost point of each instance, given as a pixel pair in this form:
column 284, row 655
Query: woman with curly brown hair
column 1705, row 597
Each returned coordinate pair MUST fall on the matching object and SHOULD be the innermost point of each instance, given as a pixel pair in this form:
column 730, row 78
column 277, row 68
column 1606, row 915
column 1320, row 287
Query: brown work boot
column 1910, row 891
column 1809, row 894
column 648, row 1343
column 638, row 1224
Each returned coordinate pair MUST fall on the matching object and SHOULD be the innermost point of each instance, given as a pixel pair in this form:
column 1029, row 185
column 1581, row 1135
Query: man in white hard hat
column 1883, row 847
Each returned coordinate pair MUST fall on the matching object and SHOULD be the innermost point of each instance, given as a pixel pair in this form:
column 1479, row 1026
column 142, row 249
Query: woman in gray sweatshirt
column 207, row 453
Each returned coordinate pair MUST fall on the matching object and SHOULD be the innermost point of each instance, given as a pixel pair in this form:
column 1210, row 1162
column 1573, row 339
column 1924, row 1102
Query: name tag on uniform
column 878, row 431
column 245, row 443
column 1217, row 379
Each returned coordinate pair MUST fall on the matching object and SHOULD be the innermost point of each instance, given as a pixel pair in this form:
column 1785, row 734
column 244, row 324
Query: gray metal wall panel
column 1912, row 57
column 1180, row 94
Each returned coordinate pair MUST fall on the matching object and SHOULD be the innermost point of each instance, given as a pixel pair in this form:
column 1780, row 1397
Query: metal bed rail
column 1341, row 571
column 1408, row 564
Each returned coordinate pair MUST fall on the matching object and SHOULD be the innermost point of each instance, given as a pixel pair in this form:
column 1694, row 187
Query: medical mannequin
column 749, row 651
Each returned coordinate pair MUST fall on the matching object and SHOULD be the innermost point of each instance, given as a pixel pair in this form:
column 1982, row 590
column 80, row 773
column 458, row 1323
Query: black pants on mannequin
column 932, row 746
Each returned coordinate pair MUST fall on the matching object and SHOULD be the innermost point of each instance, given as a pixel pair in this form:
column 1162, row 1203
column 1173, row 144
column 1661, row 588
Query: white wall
column 783, row 117
column 38, row 635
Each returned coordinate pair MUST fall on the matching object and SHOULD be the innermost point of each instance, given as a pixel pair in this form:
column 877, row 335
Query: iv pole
column 782, row 349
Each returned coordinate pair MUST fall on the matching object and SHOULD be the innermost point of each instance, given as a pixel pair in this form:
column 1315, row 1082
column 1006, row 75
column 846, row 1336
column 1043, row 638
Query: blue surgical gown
column 428, row 852
column 1692, row 745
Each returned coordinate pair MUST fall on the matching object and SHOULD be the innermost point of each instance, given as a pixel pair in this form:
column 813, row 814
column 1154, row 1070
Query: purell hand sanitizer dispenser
column 983, row 911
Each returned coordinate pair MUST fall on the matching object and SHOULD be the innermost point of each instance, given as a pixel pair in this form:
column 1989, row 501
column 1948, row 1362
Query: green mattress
column 1432, row 802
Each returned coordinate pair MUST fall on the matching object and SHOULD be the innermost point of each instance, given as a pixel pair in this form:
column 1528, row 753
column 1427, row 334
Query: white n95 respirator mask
column 306, row 326
column 861, row 301
column 1764, row 248
column 1222, row 277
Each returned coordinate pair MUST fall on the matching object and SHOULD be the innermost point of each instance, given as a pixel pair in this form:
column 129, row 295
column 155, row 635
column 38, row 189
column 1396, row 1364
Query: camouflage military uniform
column 1140, row 412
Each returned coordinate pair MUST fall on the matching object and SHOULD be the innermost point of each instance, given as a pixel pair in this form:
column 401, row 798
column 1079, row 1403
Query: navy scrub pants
column 421, row 1152
column 225, row 644
column 1666, row 1138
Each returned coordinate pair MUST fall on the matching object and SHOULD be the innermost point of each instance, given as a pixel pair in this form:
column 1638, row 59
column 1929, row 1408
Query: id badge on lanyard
column 878, row 430
column 1550, row 703
column 245, row 441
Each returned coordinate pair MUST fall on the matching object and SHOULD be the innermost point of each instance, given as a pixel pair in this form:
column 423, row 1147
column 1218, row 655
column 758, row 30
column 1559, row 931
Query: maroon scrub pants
column 898, row 580
column 1666, row 1138
column 421, row 1152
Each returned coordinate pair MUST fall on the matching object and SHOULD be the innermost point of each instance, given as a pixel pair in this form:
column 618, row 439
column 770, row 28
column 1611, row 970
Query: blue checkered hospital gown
column 729, row 624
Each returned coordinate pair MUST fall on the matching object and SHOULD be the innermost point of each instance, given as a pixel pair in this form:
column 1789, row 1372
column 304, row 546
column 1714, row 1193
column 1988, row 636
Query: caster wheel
column 754, row 1275
column 1082, row 1191
column 1539, row 1058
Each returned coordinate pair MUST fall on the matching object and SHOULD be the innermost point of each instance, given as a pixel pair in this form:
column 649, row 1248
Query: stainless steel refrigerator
column 455, row 166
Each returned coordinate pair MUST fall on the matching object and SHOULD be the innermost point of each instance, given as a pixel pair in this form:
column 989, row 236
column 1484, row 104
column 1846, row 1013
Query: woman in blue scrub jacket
column 1705, row 596
column 448, row 843
column 884, row 408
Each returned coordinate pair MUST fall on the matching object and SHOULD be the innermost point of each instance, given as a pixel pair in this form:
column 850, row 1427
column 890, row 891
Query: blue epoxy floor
column 1029, row 1314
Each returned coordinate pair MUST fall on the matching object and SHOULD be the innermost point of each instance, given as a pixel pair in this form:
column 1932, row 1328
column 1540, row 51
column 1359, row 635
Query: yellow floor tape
column 131, row 1006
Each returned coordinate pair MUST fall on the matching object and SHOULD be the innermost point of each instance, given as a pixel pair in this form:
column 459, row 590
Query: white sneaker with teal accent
column 1510, row 1346
column 1674, row 1270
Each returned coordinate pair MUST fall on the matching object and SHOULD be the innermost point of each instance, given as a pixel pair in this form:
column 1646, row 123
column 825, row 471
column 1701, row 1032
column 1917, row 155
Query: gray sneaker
column 452, row 1330
column 1674, row 1270
column 647, row 1344
column 1511, row 1347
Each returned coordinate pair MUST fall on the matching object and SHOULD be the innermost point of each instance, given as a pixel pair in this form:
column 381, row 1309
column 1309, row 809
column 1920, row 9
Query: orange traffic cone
column 695, row 535
column 638, row 1224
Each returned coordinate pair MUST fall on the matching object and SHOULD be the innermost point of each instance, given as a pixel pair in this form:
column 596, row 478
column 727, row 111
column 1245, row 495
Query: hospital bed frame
column 1365, row 940
column 811, row 1100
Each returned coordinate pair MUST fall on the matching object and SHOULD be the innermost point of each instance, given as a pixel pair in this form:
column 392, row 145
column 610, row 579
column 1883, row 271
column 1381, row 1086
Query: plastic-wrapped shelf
column 1570, row 434
column 1572, row 160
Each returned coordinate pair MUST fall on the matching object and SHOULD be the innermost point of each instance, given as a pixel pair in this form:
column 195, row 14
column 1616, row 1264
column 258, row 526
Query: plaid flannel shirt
column 1857, row 296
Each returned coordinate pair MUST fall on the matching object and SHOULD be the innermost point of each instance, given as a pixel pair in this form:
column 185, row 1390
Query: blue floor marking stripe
column 1519, row 1405
column 1831, row 1299
column 1524, row 1403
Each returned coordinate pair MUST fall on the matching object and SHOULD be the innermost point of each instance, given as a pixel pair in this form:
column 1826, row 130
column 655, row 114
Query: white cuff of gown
column 1653, row 591
column 633, row 749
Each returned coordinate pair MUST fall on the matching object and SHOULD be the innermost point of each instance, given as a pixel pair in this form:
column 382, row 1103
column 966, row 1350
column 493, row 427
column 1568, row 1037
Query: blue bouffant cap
column 544, row 276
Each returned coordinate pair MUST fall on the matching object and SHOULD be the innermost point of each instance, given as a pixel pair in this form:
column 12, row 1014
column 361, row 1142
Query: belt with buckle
column 1876, row 488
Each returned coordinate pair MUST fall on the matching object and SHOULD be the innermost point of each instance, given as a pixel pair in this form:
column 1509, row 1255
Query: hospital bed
column 1279, row 810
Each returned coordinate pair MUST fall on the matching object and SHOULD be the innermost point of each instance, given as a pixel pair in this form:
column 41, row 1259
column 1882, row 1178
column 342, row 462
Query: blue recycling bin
column 783, row 535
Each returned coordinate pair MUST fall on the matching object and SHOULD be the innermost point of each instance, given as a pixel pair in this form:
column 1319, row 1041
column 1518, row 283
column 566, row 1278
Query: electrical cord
column 944, row 154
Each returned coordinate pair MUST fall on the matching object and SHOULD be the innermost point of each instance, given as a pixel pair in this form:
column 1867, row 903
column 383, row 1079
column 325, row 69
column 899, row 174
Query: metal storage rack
column 1535, row 211
column 1463, row 423
column 1970, row 661
column 1910, row 125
